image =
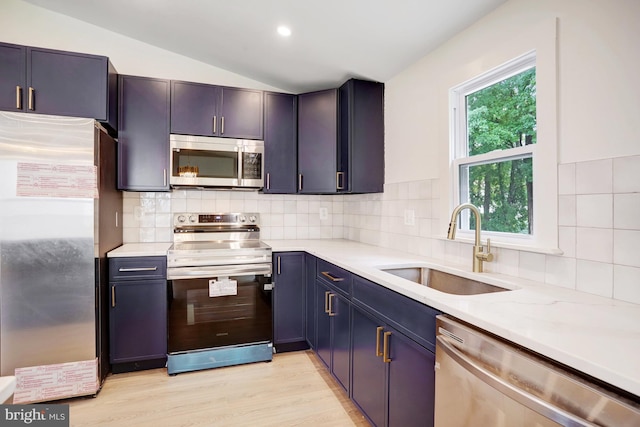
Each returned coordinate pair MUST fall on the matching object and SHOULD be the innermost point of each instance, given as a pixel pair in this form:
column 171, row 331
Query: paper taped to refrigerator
column 57, row 180
column 50, row 382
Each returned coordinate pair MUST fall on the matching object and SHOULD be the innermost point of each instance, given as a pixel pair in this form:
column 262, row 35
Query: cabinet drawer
column 334, row 275
column 412, row 318
column 136, row 268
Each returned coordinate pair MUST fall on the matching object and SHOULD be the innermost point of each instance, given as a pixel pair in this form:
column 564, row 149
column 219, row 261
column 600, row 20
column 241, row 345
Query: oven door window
column 189, row 163
column 198, row 321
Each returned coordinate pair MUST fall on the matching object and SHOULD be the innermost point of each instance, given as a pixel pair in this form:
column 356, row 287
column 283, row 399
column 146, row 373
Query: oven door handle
column 204, row 272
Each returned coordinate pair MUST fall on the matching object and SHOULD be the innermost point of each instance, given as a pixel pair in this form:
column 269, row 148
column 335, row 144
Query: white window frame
column 544, row 236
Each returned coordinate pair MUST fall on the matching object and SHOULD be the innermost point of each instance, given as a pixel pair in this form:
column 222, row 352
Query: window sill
column 506, row 245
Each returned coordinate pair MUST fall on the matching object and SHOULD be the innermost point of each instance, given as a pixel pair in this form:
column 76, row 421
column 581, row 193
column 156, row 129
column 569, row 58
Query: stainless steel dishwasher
column 485, row 381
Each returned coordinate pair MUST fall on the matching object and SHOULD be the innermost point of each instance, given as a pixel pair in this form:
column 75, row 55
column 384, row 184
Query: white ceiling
column 332, row 40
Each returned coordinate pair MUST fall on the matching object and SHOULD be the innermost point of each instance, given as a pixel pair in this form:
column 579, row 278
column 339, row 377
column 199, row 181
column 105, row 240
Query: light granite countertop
column 596, row 335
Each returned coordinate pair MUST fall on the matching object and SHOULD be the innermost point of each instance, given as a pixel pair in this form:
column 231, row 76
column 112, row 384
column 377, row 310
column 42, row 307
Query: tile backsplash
column 598, row 218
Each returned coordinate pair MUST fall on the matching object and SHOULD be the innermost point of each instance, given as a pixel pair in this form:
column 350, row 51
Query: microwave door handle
column 240, row 164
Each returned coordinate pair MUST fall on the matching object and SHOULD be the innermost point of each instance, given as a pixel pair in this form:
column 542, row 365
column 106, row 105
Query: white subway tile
column 594, row 210
column 302, row 232
column 567, row 210
column 560, row 271
column 531, row 266
column 567, row 241
column 567, row 178
column 626, row 174
column 626, row 211
column 626, row 247
column 290, row 232
column 594, row 177
column 164, row 235
column 507, row 261
column 236, row 205
column 626, row 283
column 594, row 244
column 178, row 205
column 194, row 204
column 595, row 278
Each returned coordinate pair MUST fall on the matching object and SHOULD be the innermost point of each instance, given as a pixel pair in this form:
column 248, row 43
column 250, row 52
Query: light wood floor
column 294, row 389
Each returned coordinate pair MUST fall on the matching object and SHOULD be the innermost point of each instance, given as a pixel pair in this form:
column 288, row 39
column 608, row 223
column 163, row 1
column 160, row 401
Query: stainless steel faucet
column 479, row 255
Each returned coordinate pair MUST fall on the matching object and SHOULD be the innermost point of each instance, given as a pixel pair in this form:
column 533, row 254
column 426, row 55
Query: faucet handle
column 488, row 256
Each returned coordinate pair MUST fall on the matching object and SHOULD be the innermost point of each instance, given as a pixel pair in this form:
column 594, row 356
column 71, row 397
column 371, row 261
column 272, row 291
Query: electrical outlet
column 324, row 213
column 409, row 217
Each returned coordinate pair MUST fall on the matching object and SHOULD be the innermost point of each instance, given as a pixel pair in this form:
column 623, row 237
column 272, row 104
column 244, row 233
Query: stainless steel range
column 219, row 292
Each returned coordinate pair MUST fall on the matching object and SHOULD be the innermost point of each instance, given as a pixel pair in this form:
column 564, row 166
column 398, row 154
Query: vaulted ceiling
column 331, row 40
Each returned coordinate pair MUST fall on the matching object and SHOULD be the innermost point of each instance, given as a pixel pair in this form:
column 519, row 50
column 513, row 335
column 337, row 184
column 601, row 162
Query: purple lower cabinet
column 398, row 392
column 411, row 382
column 369, row 371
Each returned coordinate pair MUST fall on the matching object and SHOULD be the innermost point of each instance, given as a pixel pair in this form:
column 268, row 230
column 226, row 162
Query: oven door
column 200, row 319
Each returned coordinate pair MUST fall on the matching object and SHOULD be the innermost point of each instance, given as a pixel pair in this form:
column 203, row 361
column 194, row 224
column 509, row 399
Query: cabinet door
column 194, row 109
column 288, row 310
column 369, row 380
column 323, row 324
column 361, row 137
column 13, row 65
column 310, row 296
column 341, row 339
column 138, row 320
column 411, row 382
column 280, row 143
column 143, row 131
column 66, row 83
column 241, row 113
column 317, row 141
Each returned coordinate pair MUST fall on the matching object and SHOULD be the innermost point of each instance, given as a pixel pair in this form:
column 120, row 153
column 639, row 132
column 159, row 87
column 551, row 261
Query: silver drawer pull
column 129, row 270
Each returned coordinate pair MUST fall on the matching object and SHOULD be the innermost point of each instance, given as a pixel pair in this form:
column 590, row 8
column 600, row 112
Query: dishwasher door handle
column 530, row 401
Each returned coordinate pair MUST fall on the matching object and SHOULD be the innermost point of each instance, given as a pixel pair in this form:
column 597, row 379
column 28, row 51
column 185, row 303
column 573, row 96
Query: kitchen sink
column 443, row 282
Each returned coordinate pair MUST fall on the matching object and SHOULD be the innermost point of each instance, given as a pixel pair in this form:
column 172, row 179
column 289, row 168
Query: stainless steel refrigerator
column 59, row 216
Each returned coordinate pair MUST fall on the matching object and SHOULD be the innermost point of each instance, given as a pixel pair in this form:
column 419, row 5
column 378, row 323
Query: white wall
column 26, row 24
column 598, row 88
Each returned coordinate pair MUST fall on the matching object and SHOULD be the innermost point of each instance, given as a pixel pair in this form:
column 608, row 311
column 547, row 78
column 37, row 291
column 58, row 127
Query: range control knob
column 193, row 218
column 181, row 218
column 242, row 218
column 252, row 218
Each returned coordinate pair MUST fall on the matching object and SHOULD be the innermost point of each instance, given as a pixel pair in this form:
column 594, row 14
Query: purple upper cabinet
column 317, row 141
column 341, row 139
column 143, row 134
column 46, row 81
column 13, row 63
column 206, row 110
column 361, row 137
column 280, row 143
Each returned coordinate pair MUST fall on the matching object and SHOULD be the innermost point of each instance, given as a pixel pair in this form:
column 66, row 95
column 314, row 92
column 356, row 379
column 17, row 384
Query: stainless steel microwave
column 201, row 161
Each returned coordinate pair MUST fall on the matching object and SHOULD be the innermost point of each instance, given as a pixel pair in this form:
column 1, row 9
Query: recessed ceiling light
column 284, row 31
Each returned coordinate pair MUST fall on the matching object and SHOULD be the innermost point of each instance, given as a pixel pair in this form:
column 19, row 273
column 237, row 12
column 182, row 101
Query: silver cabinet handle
column 18, row 97
column 268, row 181
column 116, row 219
column 222, row 125
column 31, row 98
column 215, row 119
column 338, row 176
column 278, row 265
column 113, row 296
column 536, row 404
column 299, row 182
column 130, row 270
column 164, row 177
